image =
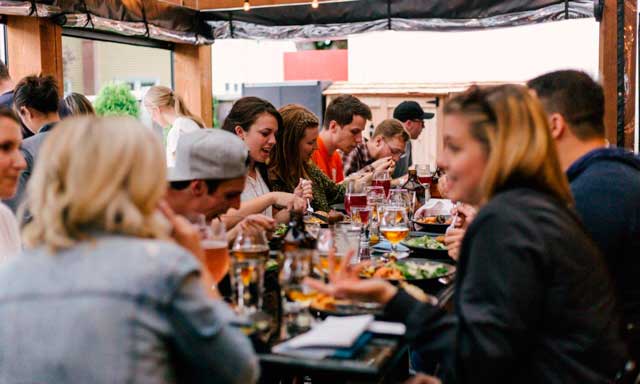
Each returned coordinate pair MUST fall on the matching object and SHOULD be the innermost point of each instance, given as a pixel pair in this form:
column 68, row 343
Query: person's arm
column 334, row 193
column 204, row 339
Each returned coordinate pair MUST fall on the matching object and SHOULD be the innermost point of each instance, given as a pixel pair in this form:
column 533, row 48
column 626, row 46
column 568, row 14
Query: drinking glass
column 324, row 245
column 405, row 198
column 394, row 225
column 425, row 176
column 296, row 296
column 249, row 254
column 354, row 196
column 382, row 179
column 360, row 215
column 216, row 250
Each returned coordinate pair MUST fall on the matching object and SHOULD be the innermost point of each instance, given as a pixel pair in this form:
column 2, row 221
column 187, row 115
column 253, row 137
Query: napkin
column 332, row 337
column 385, row 246
column 435, row 207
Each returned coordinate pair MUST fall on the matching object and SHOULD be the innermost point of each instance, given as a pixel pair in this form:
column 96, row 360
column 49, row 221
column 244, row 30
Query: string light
column 314, row 4
column 246, row 6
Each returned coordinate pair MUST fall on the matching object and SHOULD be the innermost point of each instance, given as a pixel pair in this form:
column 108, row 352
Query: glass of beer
column 394, row 225
column 249, row 254
column 216, row 251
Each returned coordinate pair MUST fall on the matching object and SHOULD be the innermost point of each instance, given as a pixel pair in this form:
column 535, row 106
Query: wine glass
column 405, row 198
column 354, row 196
column 249, row 254
column 382, row 179
column 425, row 176
column 394, row 225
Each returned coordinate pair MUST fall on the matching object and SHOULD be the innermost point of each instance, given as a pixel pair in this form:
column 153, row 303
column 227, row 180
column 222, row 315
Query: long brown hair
column 161, row 96
column 285, row 162
column 512, row 126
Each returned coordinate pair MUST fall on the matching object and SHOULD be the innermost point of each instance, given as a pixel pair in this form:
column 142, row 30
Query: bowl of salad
column 426, row 245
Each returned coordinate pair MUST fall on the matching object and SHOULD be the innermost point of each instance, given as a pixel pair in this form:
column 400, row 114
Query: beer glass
column 394, row 225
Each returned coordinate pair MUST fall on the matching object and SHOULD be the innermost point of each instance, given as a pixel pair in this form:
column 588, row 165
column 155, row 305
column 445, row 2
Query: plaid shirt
column 357, row 159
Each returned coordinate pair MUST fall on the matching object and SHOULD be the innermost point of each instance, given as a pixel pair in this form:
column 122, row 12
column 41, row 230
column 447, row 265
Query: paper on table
column 387, row 328
column 334, row 332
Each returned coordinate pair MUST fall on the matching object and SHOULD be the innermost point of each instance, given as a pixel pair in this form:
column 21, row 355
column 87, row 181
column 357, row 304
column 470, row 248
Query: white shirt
column 254, row 188
column 10, row 243
column 180, row 126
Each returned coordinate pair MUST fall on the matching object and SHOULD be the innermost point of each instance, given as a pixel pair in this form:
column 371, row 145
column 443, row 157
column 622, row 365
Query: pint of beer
column 216, row 258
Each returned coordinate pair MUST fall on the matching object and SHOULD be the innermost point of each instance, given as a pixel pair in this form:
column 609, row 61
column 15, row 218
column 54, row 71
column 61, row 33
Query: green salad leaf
column 425, row 242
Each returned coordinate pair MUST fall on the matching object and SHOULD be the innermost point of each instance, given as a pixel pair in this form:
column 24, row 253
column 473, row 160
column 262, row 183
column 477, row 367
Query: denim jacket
column 116, row 309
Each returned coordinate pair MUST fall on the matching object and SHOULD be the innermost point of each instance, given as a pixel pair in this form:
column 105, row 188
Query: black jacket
column 533, row 300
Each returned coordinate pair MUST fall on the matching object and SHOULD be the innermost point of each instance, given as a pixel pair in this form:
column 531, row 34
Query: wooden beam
column 630, row 57
column 192, row 79
column 34, row 47
column 609, row 70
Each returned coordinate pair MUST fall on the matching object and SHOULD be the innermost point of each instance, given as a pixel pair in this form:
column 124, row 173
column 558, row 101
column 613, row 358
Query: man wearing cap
column 412, row 116
column 209, row 175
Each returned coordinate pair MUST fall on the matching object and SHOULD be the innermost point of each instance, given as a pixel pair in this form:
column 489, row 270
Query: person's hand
column 383, row 164
column 423, row 379
column 453, row 240
column 184, row 233
column 188, row 236
column 304, row 189
column 258, row 221
column 345, row 283
column 288, row 200
column 465, row 214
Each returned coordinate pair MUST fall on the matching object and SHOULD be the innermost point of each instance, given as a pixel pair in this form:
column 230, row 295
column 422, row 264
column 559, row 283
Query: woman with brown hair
column 169, row 110
column 290, row 160
column 533, row 300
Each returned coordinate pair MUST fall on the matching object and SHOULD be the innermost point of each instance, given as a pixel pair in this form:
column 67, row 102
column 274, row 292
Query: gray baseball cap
column 209, row 153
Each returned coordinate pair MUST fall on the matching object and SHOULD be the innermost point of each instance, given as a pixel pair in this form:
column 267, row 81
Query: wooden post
column 34, row 47
column 192, row 79
column 609, row 70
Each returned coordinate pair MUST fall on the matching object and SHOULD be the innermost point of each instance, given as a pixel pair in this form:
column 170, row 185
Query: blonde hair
column 512, row 126
column 96, row 174
column 161, row 96
column 391, row 128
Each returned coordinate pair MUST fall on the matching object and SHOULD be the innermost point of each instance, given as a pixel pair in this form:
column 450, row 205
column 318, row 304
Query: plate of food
column 425, row 274
column 435, row 224
column 427, row 245
column 324, row 305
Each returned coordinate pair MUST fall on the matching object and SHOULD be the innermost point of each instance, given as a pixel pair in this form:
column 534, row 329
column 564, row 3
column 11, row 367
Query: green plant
column 116, row 99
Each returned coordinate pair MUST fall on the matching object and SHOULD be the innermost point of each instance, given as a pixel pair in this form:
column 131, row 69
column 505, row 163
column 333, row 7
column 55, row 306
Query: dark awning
column 137, row 18
column 342, row 18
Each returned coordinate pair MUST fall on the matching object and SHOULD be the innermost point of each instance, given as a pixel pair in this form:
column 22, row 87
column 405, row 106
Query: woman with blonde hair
column 533, row 300
column 101, row 281
column 168, row 109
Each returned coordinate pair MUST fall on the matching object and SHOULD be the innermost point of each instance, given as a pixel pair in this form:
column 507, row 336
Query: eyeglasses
column 394, row 151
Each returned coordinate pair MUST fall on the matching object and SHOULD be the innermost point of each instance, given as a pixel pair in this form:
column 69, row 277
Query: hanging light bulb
column 314, row 4
column 246, row 6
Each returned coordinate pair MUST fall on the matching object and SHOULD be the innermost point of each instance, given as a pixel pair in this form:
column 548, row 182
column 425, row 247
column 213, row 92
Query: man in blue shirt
column 605, row 182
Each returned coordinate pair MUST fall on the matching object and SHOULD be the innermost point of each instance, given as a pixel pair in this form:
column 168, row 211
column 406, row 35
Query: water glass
column 250, row 252
column 296, row 296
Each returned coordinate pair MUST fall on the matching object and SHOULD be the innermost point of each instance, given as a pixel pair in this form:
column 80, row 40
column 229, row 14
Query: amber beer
column 252, row 253
column 395, row 234
column 216, row 258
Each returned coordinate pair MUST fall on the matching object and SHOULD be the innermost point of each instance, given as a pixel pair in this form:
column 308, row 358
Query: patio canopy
column 334, row 19
column 162, row 20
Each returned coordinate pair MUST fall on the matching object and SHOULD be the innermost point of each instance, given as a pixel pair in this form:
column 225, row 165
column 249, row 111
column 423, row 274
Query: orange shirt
column 331, row 166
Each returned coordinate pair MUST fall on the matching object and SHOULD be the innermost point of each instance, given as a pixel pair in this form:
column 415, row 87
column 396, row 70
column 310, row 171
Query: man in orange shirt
column 343, row 124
